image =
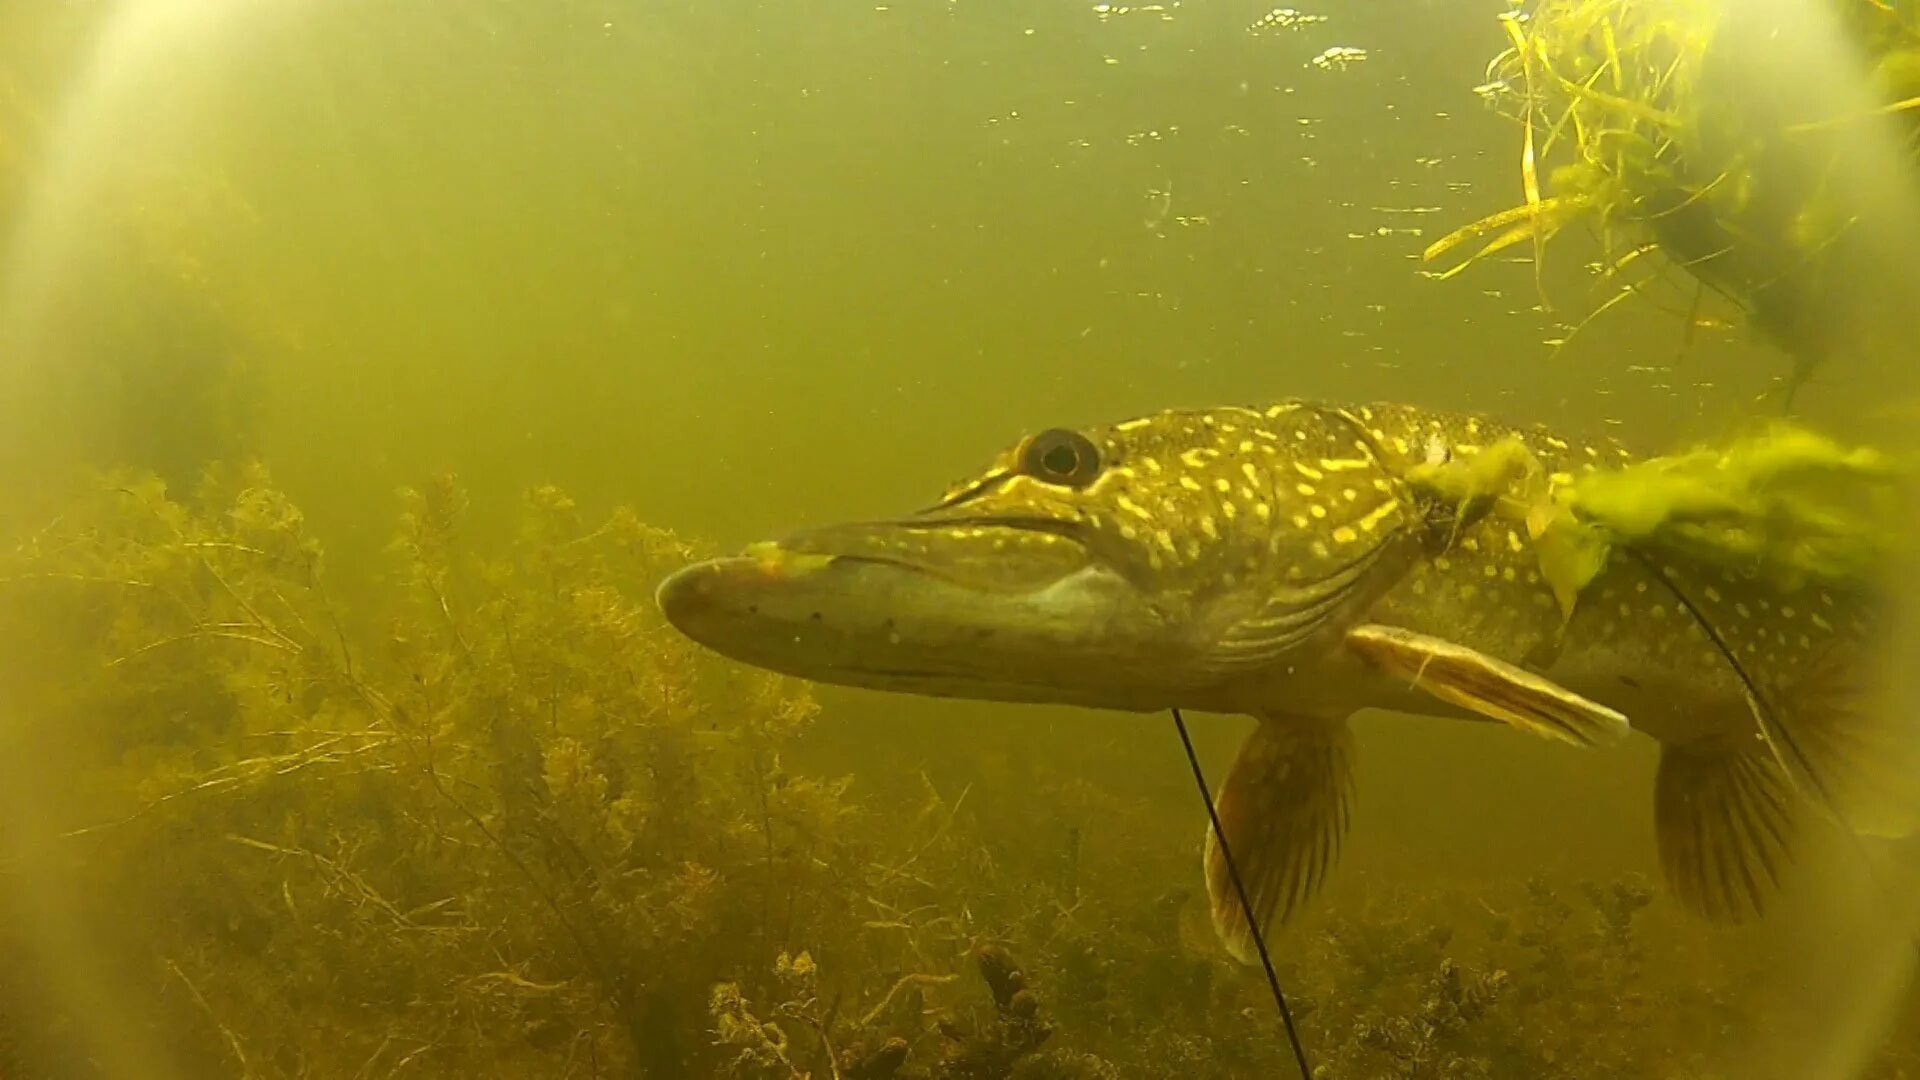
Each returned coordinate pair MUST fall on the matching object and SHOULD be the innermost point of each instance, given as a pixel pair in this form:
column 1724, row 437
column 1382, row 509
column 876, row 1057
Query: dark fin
column 1489, row 686
column 1837, row 737
column 1724, row 814
column 1284, row 809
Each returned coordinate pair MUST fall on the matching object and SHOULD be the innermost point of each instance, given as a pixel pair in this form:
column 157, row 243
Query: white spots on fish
column 1377, row 515
column 1134, row 508
column 1305, row 489
column 1193, row 459
column 1262, row 511
column 1135, row 425
column 1469, row 544
column 1252, row 474
column 1343, row 464
column 1152, row 465
column 1514, row 543
column 1228, row 510
column 1349, row 494
column 1208, row 527
column 1300, row 521
column 1246, row 446
column 1223, row 485
column 1345, row 534
column 1164, row 539
column 1317, row 510
column 1308, row 471
column 1190, row 483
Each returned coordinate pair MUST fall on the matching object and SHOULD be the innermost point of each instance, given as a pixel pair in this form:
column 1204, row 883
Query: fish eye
column 1060, row 456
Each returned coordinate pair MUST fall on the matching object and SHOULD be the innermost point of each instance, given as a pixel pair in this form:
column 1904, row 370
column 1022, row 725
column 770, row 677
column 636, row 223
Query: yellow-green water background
column 749, row 266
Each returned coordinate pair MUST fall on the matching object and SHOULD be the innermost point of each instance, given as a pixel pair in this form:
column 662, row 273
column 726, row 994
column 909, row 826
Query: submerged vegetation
column 1700, row 137
column 502, row 822
column 1785, row 502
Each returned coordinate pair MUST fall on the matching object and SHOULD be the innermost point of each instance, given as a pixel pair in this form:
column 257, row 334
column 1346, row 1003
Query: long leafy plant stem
column 1246, row 905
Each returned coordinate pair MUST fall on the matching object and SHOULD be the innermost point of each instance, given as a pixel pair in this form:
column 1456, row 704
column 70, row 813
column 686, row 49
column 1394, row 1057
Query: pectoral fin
column 1284, row 809
column 1486, row 685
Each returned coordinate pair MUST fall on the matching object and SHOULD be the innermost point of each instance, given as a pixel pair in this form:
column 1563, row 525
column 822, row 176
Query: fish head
column 1131, row 566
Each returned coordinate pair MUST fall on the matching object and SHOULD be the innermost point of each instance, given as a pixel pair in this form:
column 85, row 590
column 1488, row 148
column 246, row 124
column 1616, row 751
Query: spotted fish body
column 1288, row 563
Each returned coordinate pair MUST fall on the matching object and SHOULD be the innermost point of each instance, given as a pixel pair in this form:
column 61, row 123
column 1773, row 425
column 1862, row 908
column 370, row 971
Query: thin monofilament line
column 1246, row 906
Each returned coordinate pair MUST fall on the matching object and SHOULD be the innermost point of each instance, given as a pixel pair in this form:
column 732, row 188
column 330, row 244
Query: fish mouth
column 974, row 608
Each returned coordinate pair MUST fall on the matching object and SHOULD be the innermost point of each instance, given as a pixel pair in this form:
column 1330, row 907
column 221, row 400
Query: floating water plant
column 1675, row 128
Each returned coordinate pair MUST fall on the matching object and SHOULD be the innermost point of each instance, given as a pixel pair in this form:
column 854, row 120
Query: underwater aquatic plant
column 1784, row 501
column 1650, row 123
column 513, row 819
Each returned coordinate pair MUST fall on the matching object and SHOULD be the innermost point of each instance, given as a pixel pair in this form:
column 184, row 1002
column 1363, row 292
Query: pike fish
column 1282, row 562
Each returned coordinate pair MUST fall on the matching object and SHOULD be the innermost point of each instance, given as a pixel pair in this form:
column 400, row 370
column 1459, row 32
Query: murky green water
column 744, row 267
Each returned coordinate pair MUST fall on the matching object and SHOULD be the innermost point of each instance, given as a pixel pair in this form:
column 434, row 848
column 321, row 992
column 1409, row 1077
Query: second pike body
column 1284, row 563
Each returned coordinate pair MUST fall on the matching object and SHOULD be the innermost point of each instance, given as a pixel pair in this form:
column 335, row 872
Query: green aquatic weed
column 1784, row 501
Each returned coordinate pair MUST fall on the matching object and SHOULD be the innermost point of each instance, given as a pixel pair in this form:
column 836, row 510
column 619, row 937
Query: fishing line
column 1246, row 905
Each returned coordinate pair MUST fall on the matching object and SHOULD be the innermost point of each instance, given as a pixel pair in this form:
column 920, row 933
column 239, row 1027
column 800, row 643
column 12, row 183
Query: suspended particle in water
column 1338, row 58
column 1282, row 18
